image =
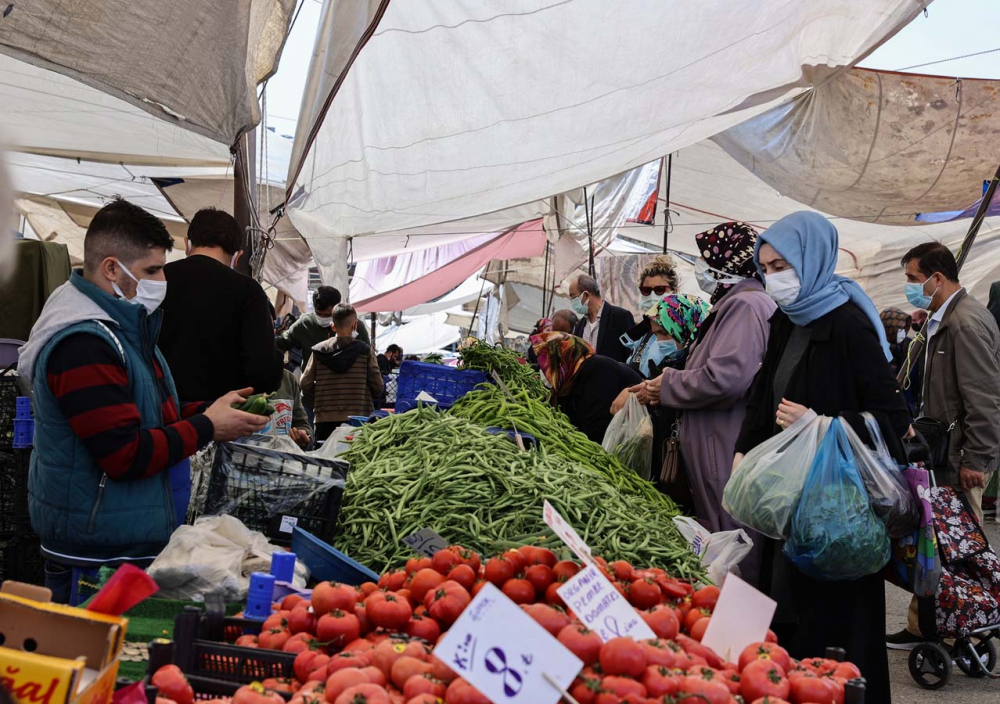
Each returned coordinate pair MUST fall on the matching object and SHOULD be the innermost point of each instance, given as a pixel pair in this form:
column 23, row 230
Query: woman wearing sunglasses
column 658, row 280
column 710, row 392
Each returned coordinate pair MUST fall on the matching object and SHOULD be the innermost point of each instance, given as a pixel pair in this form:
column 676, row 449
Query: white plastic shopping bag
column 720, row 552
column 629, row 437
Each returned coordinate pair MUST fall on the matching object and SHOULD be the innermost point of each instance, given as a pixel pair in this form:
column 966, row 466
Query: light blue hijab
column 809, row 243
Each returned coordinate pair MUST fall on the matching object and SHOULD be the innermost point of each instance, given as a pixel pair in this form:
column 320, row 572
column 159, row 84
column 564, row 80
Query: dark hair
column 588, row 283
column 933, row 258
column 343, row 312
column 393, row 348
column 215, row 228
column 325, row 297
column 123, row 230
column 569, row 316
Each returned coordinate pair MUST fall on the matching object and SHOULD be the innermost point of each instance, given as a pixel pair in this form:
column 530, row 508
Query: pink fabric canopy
column 402, row 281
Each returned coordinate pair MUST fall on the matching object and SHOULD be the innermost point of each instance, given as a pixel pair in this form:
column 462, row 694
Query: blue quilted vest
column 80, row 515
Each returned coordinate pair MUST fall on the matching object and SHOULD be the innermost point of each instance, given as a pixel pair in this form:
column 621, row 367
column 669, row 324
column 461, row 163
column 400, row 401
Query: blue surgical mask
column 647, row 302
column 656, row 353
column 578, row 306
column 916, row 296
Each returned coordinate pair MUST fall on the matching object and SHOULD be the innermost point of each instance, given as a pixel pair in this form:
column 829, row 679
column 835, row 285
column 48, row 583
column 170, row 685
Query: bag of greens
column 835, row 533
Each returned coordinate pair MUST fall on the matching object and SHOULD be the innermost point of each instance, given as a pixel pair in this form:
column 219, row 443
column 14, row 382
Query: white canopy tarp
column 542, row 95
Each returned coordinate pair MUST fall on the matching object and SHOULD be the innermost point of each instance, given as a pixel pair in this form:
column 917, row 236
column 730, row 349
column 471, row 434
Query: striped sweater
column 90, row 384
column 341, row 379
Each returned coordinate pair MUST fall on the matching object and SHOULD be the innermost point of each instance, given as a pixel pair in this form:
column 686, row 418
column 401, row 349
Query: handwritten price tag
column 426, row 542
column 504, row 654
column 554, row 520
column 601, row 607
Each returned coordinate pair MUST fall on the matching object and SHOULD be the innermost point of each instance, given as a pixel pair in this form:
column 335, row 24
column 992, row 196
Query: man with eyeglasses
column 601, row 324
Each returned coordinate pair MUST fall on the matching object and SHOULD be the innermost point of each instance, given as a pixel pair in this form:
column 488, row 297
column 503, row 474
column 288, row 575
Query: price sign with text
column 426, row 542
column 554, row 520
column 505, row 654
column 601, row 607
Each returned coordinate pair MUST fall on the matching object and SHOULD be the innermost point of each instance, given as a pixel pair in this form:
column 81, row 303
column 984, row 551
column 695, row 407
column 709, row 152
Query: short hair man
column 109, row 473
column 961, row 381
column 390, row 359
column 312, row 328
column 565, row 321
column 218, row 332
column 341, row 378
column 601, row 324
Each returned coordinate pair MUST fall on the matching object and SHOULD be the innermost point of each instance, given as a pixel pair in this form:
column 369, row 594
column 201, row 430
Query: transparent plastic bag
column 891, row 497
column 629, row 437
column 835, row 533
column 720, row 553
column 764, row 489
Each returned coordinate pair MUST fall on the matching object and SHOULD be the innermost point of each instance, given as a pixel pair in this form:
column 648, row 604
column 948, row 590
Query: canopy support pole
column 916, row 349
column 588, row 207
column 372, row 319
column 666, row 208
column 244, row 200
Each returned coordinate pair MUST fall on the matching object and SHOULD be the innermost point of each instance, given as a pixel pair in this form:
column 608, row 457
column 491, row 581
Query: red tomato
column 423, row 627
column 342, row 680
column 290, row 602
column 307, row 662
column 247, row 641
column 847, row 670
column 548, row 618
column 693, row 616
column 364, row 694
column 415, row 564
column 423, row 581
column 301, row 621
column 762, row 678
column 660, row 681
column 769, row 700
column 406, row 667
column 280, row 684
column 771, row 636
column 695, row 690
column 622, row 571
column 464, row 575
column 446, row 603
column 272, row 639
column 362, row 613
column 662, row 621
column 367, row 588
column 540, row 577
column 821, row 690
column 552, row 597
column 622, row 656
column 467, row 557
column 389, row 651
column 477, row 587
column 424, row 684
column 301, row 641
column 499, row 570
column 623, row 686
column 565, row 569
column 765, row 651
column 392, row 581
column 389, row 611
column 582, row 642
column 172, row 684
column 276, row 620
column 338, row 628
column 424, row 699
column 585, row 689
column 660, row 653
column 517, row 560
column 699, row 628
column 696, row 649
column 444, row 561
column 520, row 591
column 256, row 694
column 441, row 671
column 461, row 692
column 343, row 661
column 328, row 596
column 644, row 594
column 705, row 598
column 375, row 675
column 732, row 679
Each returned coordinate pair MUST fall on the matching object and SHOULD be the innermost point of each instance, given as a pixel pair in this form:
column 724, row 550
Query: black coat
column 615, row 322
column 595, row 387
column 843, row 372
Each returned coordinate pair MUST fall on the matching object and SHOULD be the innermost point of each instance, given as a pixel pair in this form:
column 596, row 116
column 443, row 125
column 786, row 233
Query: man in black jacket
column 601, row 324
column 217, row 333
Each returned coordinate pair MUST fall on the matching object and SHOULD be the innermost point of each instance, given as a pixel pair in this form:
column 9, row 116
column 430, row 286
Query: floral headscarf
column 560, row 356
column 729, row 247
column 681, row 315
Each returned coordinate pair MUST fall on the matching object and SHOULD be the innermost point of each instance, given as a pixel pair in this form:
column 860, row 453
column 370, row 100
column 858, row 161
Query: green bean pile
column 489, row 406
column 517, row 376
column 423, row 469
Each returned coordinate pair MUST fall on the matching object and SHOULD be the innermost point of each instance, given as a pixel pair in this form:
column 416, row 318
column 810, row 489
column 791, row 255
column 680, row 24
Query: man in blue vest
column 109, row 478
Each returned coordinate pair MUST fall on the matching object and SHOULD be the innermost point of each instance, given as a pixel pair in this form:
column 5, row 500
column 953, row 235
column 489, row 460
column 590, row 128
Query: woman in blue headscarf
column 827, row 352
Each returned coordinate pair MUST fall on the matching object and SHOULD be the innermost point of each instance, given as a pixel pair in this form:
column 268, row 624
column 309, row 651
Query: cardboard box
column 55, row 654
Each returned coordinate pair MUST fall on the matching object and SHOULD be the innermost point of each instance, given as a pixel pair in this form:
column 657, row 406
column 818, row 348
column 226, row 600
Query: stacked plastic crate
column 19, row 548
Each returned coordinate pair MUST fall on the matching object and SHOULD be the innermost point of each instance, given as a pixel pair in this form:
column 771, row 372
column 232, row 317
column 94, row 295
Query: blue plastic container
column 259, row 596
column 326, row 563
column 283, row 565
column 22, row 408
column 357, row 421
column 445, row 384
column 24, row 433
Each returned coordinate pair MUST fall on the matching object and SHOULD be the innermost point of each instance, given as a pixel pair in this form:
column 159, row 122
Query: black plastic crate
column 216, row 661
column 14, row 491
column 21, row 558
column 8, row 409
column 264, row 488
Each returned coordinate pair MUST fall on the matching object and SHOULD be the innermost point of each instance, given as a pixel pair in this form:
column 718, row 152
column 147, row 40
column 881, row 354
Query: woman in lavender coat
column 711, row 391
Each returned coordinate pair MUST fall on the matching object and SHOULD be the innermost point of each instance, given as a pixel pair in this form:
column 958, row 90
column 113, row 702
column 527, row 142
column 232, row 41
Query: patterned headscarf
column 681, row 315
column 729, row 247
column 560, row 356
column 893, row 320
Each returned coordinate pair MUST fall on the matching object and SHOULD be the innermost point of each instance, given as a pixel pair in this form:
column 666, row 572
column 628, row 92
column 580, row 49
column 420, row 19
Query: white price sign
column 503, row 653
column 554, row 520
column 601, row 607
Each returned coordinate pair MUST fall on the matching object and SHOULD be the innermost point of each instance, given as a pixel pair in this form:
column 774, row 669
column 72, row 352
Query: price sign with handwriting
column 554, row 520
column 601, row 607
column 503, row 653
column 426, row 542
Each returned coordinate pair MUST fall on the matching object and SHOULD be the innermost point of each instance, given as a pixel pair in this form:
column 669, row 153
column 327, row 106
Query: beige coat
column 962, row 385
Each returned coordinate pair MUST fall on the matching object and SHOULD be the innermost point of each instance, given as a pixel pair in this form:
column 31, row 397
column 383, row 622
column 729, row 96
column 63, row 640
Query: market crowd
column 136, row 365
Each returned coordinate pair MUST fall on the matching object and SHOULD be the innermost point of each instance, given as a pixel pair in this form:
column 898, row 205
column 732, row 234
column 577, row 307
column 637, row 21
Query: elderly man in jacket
column 961, row 381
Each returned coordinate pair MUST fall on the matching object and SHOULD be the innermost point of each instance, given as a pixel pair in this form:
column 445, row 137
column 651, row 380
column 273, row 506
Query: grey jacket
column 962, row 384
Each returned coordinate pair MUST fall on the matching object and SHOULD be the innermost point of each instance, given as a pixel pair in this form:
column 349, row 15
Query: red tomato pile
column 373, row 644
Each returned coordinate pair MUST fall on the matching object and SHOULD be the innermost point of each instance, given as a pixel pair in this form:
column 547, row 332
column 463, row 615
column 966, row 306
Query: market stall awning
column 543, row 96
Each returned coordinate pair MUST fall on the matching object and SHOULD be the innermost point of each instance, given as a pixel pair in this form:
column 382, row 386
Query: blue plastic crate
column 410, row 404
column 357, row 421
column 446, row 384
column 326, row 563
column 24, row 433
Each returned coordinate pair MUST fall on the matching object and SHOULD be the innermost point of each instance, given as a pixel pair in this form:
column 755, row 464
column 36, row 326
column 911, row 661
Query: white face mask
column 148, row 293
column 647, row 302
column 783, row 287
column 324, row 321
column 354, row 333
column 900, row 336
column 709, row 278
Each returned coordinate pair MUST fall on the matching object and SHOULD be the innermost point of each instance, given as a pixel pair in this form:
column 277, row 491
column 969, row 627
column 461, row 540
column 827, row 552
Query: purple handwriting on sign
column 496, row 663
column 465, row 653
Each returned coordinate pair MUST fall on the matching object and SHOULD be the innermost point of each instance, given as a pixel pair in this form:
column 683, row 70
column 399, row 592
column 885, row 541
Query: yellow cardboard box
column 55, row 654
